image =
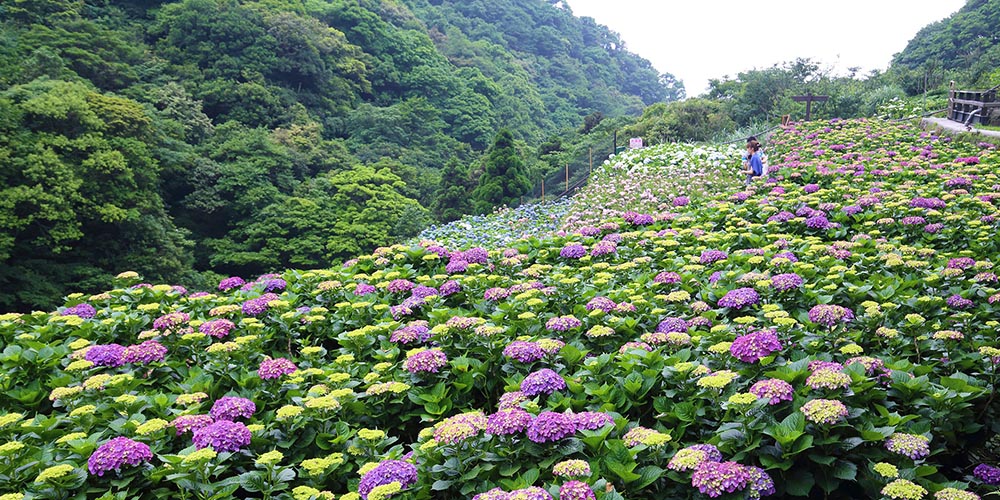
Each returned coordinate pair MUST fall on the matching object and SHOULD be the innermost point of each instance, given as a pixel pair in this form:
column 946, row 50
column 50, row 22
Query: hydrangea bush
column 828, row 331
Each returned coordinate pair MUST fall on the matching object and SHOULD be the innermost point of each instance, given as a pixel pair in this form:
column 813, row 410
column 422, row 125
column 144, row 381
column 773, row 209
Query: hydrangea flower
column 106, row 355
column 752, row 347
column 715, row 478
column 525, row 352
column 902, row 489
column 914, row 446
column 824, row 411
column 426, row 361
column 551, row 426
column 544, row 381
column 830, row 315
column 573, row 251
column 739, row 298
column 507, row 422
column 460, row 427
column 988, row 474
column 576, row 490
column 231, row 282
column 571, row 468
column 562, row 323
column 217, row 328
column 231, row 408
column 114, row 454
column 274, row 368
column 222, row 436
column 386, row 472
column 82, row 310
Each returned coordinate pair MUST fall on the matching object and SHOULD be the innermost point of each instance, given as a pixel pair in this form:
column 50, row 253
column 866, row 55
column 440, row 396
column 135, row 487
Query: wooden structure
column 974, row 107
column 808, row 99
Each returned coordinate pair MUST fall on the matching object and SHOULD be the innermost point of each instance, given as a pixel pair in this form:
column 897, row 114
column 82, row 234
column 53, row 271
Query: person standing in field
column 753, row 165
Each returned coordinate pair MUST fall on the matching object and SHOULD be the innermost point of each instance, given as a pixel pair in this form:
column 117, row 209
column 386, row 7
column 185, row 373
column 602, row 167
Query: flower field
column 829, row 332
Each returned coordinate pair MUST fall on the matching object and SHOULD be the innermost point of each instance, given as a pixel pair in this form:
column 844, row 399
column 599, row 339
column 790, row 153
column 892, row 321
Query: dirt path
column 956, row 127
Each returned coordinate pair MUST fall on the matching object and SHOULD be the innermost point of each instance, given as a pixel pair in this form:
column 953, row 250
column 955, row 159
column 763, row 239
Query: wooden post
column 567, row 178
column 951, row 100
column 808, row 99
column 543, row 190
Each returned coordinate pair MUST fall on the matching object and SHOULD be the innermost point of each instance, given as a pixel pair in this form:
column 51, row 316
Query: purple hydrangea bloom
column 544, row 381
column 507, row 422
column 476, row 255
column 573, row 251
column 170, row 320
column 529, row 493
column 576, row 490
column 362, row 289
column 913, row 220
column 774, row 390
column 186, row 423
column 591, row 420
column 415, row 332
column 987, row 473
column 716, row 478
column 638, row 219
column 230, row 283
column 818, row 222
column 751, row 347
column 562, row 323
column 429, row 361
column 961, row 263
column 667, row 277
column 117, row 452
column 603, row 303
column 400, row 285
column 958, row 302
column 496, row 294
column 84, row 310
column 525, row 352
column 669, row 325
column 712, row 453
column 681, row 201
column 810, row 188
column 274, row 285
column 423, row 291
column 106, row 355
column 931, row 203
column 256, row 306
column 829, row 315
column 222, row 436
column 603, row 248
column 450, row 287
column 739, row 298
column 710, row 256
column 144, row 353
column 786, row 282
column 388, row 471
column 231, row 408
column 275, row 368
column 456, row 266
column 760, row 483
column 551, row 426
column 217, row 328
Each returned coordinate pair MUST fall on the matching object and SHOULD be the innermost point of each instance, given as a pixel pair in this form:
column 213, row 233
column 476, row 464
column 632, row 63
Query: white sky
column 700, row 39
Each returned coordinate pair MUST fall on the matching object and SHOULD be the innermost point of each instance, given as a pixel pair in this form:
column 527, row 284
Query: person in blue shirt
column 753, row 166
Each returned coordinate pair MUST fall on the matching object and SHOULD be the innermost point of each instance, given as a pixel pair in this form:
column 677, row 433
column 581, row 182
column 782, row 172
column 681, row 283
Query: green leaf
column 845, row 470
column 799, row 484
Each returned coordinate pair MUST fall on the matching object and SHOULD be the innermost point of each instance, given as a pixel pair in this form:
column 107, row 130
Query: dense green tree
column 505, row 179
column 453, row 197
column 332, row 217
column 79, row 193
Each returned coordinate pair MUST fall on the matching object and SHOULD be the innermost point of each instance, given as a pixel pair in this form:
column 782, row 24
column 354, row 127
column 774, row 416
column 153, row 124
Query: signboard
column 635, row 143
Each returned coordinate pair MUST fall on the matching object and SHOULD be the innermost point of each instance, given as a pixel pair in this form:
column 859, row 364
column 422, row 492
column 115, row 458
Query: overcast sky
column 701, row 39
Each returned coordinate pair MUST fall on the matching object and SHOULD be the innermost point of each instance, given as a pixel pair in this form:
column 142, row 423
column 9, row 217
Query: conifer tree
column 505, row 179
column 453, row 198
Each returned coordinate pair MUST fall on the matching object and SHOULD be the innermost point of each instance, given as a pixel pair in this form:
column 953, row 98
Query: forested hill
column 238, row 137
column 967, row 40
